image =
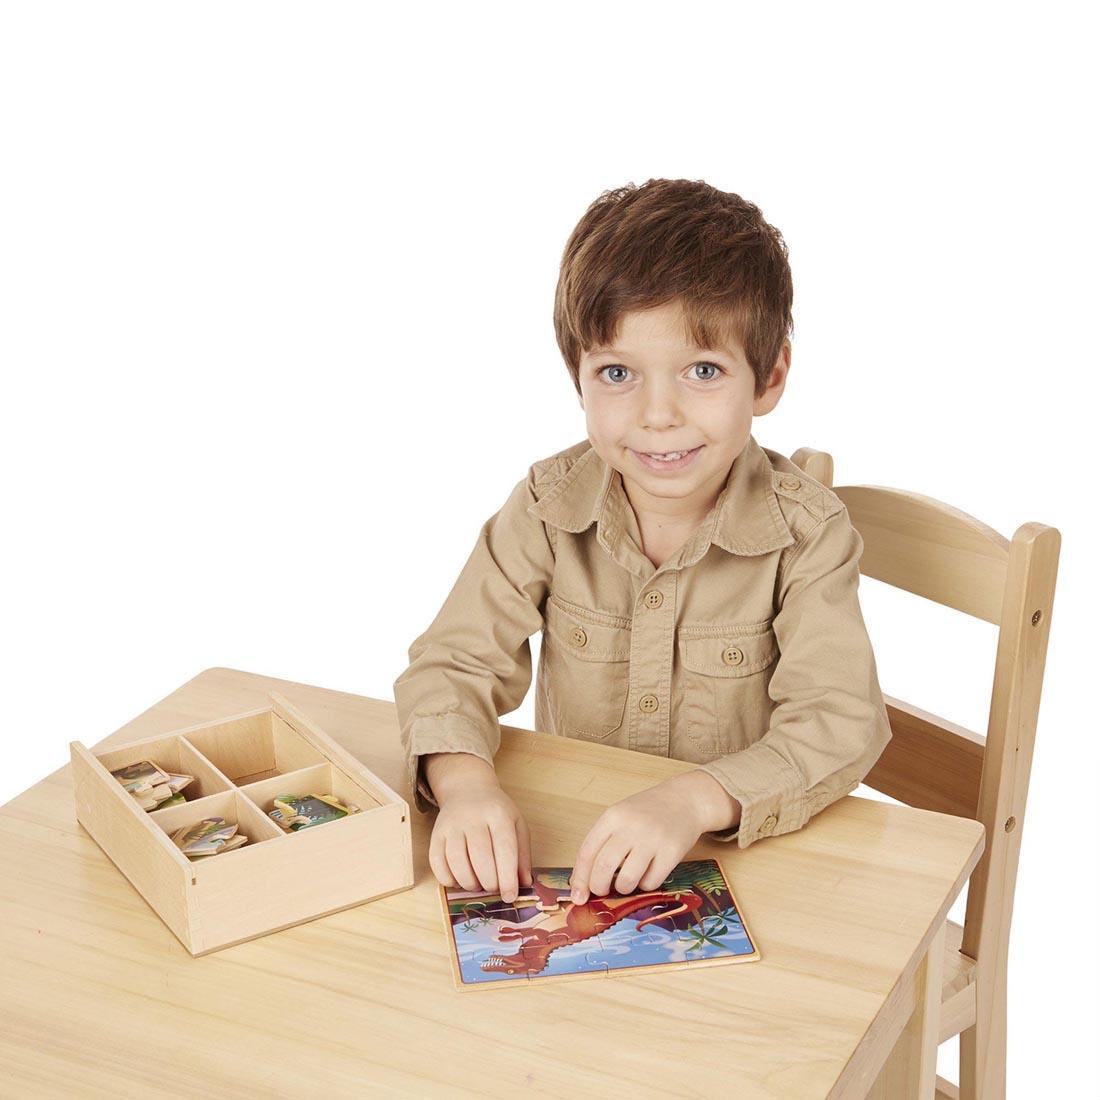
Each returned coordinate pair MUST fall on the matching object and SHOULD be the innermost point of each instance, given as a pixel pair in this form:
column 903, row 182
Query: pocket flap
column 587, row 635
column 739, row 649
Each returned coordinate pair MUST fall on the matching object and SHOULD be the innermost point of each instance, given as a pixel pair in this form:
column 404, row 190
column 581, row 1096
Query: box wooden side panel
column 296, row 877
column 196, row 728
column 136, row 846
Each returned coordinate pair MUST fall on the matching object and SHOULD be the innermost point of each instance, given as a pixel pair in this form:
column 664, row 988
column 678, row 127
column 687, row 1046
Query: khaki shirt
column 744, row 652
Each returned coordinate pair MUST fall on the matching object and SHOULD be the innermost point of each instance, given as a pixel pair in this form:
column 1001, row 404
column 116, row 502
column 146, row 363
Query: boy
column 697, row 593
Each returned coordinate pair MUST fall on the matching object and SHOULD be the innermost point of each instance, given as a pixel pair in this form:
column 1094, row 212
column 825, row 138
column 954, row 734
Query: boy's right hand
column 480, row 840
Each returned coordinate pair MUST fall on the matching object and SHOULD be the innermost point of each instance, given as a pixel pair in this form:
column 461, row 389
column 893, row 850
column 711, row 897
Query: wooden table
column 99, row 998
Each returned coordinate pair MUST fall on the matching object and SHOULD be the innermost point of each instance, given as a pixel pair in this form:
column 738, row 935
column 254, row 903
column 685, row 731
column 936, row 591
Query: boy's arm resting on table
column 473, row 664
column 829, row 725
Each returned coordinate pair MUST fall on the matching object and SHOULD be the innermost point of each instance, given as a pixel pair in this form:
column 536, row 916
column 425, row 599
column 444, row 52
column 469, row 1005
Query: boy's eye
column 713, row 367
column 611, row 366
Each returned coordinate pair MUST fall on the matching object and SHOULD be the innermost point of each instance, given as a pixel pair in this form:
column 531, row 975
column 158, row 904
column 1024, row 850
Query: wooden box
column 276, row 879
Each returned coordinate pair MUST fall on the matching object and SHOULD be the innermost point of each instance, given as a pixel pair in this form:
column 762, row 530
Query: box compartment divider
column 255, row 820
column 227, row 804
column 208, row 779
column 316, row 779
column 381, row 793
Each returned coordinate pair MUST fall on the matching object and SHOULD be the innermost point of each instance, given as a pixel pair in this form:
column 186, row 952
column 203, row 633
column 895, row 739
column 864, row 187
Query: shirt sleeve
column 473, row 663
column 829, row 725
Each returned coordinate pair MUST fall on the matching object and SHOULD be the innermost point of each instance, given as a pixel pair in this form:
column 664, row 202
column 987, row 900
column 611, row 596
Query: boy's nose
column 660, row 409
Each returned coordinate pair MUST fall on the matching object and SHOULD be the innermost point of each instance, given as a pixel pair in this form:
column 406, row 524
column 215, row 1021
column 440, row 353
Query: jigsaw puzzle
column 691, row 920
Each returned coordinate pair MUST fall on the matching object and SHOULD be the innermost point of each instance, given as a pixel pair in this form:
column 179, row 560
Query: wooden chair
column 927, row 547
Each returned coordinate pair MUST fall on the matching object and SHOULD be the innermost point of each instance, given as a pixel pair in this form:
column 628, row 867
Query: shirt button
column 790, row 483
column 732, row 655
column 578, row 636
column 654, row 598
column 648, row 703
column 769, row 823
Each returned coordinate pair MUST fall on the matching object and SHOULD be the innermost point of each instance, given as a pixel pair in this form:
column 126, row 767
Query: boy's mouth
column 670, row 459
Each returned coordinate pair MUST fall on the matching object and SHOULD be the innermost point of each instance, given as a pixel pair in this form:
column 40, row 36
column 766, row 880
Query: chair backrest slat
column 929, row 548
column 929, row 762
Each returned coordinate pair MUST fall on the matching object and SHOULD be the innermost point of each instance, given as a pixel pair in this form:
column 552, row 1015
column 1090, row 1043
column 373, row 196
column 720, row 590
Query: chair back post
column 1010, row 743
column 817, row 464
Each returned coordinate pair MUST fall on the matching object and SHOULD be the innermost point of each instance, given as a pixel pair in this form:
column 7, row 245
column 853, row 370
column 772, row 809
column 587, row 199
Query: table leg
column 910, row 1071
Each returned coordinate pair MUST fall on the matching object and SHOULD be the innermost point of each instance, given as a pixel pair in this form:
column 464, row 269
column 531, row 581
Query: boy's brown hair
column 636, row 248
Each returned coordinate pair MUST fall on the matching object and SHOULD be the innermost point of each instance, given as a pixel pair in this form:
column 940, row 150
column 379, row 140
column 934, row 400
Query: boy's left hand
column 648, row 834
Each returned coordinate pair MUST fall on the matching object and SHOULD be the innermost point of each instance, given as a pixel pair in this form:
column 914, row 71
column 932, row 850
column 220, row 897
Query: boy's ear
column 777, row 381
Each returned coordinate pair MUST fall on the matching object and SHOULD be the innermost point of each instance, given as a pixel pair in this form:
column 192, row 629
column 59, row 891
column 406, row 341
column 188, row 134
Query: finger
column 607, row 862
column 503, row 835
column 582, row 865
column 437, row 859
column 479, row 844
column 523, row 837
column 659, row 870
column 636, row 864
column 459, row 861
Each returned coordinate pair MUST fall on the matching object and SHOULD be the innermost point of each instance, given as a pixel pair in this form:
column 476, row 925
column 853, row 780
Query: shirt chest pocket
column 724, row 674
column 587, row 667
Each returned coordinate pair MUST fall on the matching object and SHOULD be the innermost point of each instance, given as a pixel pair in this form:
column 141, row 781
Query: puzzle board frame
column 605, row 956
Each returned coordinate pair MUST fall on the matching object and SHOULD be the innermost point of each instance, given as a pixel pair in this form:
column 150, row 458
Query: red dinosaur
column 565, row 923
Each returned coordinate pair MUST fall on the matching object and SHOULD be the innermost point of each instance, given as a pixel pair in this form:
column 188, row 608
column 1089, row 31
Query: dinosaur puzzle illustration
column 692, row 919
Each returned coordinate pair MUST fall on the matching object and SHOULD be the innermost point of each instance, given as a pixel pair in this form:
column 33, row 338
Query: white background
column 275, row 310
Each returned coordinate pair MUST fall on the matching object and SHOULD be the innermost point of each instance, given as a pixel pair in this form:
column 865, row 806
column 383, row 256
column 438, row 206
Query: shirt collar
column 745, row 519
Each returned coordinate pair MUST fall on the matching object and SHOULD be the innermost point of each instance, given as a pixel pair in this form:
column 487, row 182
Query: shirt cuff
column 772, row 793
column 449, row 732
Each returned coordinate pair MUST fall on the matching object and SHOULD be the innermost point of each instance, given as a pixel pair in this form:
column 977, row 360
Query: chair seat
column 957, row 994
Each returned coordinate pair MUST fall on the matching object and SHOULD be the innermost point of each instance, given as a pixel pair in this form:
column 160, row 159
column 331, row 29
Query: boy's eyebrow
column 616, row 351
column 605, row 351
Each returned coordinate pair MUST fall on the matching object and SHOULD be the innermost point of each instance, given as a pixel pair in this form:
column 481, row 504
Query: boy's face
column 654, row 392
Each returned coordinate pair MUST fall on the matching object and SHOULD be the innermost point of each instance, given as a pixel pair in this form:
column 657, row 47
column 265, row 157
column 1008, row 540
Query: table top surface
column 99, row 997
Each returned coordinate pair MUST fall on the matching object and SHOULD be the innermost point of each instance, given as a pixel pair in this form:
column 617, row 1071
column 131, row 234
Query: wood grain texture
column 929, row 762
column 910, row 1071
column 929, row 548
column 844, row 909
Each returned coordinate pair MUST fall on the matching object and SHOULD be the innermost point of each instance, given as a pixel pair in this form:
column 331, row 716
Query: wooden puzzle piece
column 486, row 902
column 597, row 965
column 586, row 958
column 552, row 938
column 475, row 917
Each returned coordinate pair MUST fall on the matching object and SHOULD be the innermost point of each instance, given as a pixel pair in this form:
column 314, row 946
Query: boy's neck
column 664, row 515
